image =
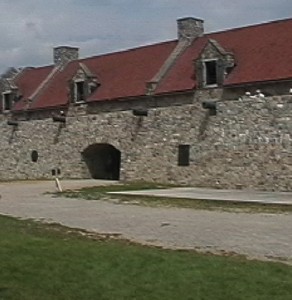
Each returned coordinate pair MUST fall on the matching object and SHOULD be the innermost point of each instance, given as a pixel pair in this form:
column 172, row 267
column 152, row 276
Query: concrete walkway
column 283, row 198
column 261, row 236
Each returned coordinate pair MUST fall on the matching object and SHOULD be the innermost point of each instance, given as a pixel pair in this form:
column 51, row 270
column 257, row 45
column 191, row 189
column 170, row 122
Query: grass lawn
column 100, row 193
column 39, row 261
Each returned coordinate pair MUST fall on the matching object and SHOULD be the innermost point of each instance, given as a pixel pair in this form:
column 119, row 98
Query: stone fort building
column 206, row 109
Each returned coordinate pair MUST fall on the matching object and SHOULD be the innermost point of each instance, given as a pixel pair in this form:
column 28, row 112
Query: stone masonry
column 65, row 54
column 247, row 144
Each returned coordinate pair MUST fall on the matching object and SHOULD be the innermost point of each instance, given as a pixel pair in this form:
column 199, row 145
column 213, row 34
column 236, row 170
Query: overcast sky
column 29, row 29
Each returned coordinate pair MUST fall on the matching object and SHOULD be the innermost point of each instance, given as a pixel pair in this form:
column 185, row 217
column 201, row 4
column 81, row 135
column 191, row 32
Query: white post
column 58, row 185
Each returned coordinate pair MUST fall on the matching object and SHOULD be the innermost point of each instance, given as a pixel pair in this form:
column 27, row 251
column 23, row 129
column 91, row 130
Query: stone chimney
column 65, row 54
column 190, row 28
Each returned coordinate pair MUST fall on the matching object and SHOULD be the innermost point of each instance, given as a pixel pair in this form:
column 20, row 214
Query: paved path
column 212, row 194
column 263, row 236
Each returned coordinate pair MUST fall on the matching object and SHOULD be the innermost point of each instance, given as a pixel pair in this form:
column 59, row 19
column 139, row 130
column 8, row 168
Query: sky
column 29, row 29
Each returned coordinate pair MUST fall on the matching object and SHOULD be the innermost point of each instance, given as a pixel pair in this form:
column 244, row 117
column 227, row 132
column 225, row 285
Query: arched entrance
column 103, row 161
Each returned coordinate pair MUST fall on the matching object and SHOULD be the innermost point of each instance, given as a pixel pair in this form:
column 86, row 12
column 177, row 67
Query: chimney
column 65, row 54
column 190, row 28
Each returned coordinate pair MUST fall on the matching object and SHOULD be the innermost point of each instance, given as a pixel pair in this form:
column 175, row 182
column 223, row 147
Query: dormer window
column 82, row 85
column 7, row 100
column 213, row 65
column 80, row 91
column 210, row 72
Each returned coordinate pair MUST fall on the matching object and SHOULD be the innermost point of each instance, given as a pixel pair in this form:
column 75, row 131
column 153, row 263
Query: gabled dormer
column 9, row 93
column 83, row 84
column 213, row 65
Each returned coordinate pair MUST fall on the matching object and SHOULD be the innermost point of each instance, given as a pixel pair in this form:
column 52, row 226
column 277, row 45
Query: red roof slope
column 182, row 75
column 125, row 74
column 122, row 74
column 56, row 93
column 262, row 53
column 28, row 81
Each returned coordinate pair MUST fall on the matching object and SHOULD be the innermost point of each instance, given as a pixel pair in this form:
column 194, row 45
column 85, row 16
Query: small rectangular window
column 184, row 155
column 211, row 72
column 7, row 101
column 79, row 91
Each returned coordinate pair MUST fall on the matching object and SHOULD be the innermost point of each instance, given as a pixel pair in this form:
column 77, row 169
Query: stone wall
column 246, row 145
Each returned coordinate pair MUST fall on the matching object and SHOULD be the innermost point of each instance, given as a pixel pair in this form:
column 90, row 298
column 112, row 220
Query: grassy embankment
column 39, row 261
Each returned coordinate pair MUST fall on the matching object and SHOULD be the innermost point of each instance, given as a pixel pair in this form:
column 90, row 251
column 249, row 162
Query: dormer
column 83, row 84
column 213, row 65
column 9, row 94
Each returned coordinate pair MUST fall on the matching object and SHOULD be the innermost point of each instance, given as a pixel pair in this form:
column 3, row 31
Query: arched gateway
column 103, row 161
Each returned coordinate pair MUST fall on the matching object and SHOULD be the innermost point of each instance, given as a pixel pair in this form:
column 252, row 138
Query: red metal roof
column 182, row 75
column 125, row 74
column 28, row 81
column 121, row 75
column 56, row 93
column 262, row 53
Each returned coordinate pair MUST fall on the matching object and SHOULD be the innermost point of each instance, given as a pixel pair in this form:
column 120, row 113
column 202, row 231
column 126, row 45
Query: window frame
column 4, row 101
column 205, row 72
column 76, row 94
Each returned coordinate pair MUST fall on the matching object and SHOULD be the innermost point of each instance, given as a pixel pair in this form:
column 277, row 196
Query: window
column 7, row 101
column 80, row 92
column 184, row 155
column 56, row 172
column 210, row 72
column 34, row 156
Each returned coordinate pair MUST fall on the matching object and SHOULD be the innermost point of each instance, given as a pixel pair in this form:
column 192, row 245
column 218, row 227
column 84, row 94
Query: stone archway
column 103, row 161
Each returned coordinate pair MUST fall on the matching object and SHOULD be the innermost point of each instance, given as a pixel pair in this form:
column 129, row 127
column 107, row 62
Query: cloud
column 30, row 28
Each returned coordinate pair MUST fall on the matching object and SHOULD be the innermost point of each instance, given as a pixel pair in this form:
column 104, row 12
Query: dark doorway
column 103, row 161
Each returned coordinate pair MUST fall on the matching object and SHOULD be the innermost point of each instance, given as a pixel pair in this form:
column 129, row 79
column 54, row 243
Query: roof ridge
column 126, row 50
column 248, row 26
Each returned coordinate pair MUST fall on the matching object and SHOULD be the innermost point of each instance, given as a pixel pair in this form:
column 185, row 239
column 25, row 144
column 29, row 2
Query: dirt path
column 263, row 236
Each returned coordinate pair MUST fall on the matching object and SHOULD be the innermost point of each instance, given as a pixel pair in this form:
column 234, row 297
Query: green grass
column 39, row 261
column 101, row 193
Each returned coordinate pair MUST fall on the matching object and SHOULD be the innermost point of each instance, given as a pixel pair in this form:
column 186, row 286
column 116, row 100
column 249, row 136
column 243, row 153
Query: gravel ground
column 261, row 236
